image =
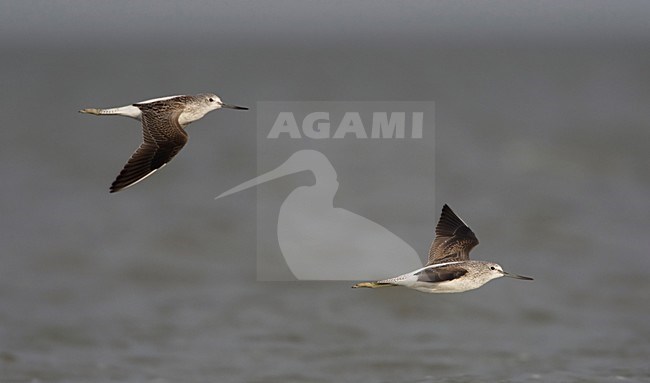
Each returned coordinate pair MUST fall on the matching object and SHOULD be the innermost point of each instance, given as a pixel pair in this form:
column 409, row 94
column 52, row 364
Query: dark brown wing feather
column 441, row 274
column 454, row 240
column 163, row 138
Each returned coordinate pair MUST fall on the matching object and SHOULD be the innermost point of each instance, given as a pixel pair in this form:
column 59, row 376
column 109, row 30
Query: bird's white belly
column 455, row 286
column 189, row 116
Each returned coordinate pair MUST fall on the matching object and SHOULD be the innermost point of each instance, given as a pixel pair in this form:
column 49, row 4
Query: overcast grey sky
column 133, row 22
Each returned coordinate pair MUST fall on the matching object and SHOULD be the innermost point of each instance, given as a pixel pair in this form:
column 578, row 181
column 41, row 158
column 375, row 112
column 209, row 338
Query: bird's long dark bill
column 234, row 107
column 506, row 274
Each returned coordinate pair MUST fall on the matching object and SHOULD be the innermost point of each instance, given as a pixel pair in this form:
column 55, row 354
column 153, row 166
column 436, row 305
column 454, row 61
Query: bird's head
column 213, row 102
column 495, row 270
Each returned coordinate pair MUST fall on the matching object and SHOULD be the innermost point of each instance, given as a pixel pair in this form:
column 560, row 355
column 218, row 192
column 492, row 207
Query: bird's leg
column 372, row 285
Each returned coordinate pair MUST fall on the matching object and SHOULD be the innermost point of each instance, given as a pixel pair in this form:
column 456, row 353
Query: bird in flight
column 449, row 269
column 163, row 129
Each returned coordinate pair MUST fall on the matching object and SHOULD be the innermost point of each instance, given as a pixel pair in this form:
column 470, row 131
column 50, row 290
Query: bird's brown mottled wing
column 163, row 138
column 441, row 274
column 454, row 239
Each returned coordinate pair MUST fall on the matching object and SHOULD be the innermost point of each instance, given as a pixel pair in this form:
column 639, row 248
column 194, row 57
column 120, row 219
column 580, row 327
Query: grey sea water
column 543, row 151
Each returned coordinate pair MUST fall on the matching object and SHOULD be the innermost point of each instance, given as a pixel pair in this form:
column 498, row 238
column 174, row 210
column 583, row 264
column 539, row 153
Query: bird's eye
column 492, row 268
column 211, row 100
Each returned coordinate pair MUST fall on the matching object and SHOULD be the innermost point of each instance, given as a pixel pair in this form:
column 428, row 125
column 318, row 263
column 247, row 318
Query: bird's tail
column 127, row 111
column 91, row 111
column 372, row 285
